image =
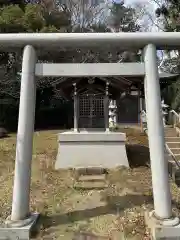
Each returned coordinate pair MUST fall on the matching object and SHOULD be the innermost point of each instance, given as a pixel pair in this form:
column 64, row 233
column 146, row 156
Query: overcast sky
column 150, row 2
column 135, row 1
column 131, row 1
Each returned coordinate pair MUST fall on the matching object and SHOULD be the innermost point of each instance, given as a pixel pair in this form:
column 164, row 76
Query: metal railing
column 172, row 155
column 174, row 118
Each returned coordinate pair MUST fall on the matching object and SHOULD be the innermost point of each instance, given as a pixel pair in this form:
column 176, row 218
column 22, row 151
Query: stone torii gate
column 162, row 215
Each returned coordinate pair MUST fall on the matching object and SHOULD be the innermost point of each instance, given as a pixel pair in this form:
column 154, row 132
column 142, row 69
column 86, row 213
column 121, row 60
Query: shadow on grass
column 115, row 205
column 4, row 137
column 138, row 155
column 60, row 128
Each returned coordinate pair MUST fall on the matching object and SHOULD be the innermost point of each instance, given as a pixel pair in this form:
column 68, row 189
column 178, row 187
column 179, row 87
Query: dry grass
column 66, row 211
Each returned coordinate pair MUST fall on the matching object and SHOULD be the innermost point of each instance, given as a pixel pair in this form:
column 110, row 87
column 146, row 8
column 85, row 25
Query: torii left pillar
column 20, row 215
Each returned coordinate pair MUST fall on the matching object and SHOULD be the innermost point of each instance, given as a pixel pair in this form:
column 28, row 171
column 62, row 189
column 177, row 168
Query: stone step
column 172, row 139
column 172, row 145
column 170, row 133
column 177, row 158
column 167, row 135
column 92, row 178
column 91, row 171
column 87, row 185
column 169, row 129
column 176, row 152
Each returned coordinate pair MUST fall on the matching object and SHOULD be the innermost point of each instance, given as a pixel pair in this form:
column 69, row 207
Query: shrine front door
column 91, row 111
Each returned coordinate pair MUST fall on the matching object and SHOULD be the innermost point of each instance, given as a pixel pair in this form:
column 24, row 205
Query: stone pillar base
column 162, row 229
column 18, row 229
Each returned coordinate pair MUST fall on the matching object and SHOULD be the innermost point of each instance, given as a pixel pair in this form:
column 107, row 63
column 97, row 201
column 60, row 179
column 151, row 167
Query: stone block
column 12, row 232
column 91, row 149
column 160, row 231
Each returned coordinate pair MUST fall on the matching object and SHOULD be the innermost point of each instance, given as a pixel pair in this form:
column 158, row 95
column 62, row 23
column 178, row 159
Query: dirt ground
column 67, row 213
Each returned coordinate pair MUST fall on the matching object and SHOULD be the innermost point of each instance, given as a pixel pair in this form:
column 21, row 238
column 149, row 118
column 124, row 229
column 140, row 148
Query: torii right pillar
column 162, row 216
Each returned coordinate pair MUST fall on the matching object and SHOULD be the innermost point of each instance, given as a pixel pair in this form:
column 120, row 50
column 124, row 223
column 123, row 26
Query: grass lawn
column 66, row 211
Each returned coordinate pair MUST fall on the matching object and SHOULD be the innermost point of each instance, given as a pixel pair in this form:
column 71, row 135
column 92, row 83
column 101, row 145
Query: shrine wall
column 128, row 110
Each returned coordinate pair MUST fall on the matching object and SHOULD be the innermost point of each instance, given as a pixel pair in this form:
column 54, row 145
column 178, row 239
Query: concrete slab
column 91, row 149
column 21, row 233
column 90, row 136
column 160, row 231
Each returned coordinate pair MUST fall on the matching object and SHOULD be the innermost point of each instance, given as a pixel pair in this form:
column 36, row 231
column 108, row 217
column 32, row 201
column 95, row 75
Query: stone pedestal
column 91, row 149
column 21, row 230
column 166, row 229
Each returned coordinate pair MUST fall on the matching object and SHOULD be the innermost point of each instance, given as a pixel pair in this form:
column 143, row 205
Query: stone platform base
column 12, row 232
column 162, row 231
column 91, row 149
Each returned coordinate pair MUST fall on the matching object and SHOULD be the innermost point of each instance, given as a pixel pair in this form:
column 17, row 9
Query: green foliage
column 171, row 95
column 30, row 17
column 49, row 29
column 170, row 11
column 9, row 2
column 34, row 18
column 11, row 19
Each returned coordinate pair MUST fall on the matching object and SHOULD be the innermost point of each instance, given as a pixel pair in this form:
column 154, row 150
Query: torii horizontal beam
column 135, row 40
column 93, row 70
column 90, row 69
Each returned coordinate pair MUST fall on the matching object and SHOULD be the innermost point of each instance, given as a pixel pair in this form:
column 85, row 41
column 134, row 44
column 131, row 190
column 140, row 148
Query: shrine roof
column 116, row 84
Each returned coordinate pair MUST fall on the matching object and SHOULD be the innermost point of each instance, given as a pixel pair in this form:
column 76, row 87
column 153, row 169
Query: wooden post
column 106, row 108
column 140, row 109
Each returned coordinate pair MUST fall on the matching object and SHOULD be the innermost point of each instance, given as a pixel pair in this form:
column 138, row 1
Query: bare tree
column 86, row 14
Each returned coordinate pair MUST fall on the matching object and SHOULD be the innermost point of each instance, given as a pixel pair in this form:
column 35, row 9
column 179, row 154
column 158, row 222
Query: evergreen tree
column 123, row 19
column 9, row 2
column 27, row 16
column 169, row 12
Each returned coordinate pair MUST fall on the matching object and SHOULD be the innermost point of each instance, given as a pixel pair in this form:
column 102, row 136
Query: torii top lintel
column 135, row 40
